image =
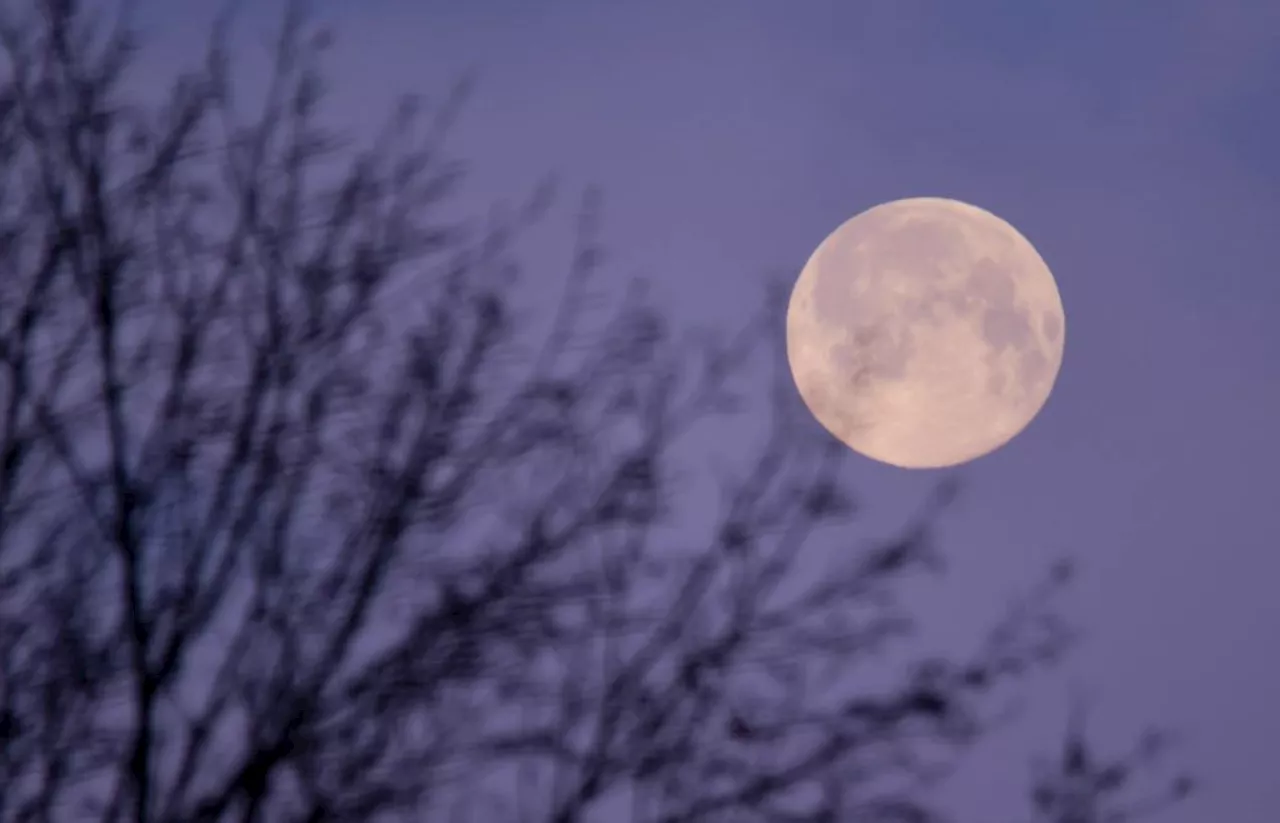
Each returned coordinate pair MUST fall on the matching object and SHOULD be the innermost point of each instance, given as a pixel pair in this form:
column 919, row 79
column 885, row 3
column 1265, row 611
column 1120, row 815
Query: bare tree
column 298, row 523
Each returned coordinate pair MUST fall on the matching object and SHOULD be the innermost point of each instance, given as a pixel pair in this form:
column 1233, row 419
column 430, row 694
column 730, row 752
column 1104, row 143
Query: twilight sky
column 1133, row 143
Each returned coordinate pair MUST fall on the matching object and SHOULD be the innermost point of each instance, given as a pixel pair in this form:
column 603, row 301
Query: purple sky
column 1135, row 144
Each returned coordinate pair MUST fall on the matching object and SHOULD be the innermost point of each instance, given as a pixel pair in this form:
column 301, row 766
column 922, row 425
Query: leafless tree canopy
column 297, row 523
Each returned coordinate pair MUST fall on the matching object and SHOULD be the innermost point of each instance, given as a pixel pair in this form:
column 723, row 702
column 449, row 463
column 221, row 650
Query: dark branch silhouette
column 298, row 523
column 1080, row 787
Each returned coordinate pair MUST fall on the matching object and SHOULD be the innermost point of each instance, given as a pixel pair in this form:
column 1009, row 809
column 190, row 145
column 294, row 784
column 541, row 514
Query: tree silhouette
column 298, row 523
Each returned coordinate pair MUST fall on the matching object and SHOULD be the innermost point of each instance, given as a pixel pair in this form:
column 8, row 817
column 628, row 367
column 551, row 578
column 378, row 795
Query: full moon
column 925, row 333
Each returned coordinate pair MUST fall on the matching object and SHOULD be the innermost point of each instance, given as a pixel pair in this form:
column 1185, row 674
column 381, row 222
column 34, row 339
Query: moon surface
column 925, row 333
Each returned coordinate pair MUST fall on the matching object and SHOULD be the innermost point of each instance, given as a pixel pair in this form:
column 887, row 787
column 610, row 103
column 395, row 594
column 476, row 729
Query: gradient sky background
column 1134, row 143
